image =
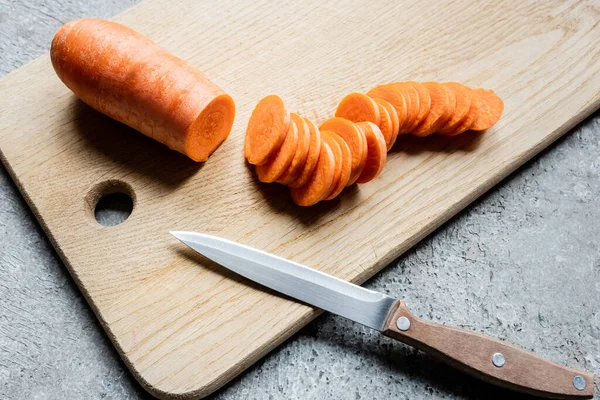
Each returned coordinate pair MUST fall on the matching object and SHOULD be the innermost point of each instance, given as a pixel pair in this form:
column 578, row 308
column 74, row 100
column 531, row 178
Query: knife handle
column 489, row 359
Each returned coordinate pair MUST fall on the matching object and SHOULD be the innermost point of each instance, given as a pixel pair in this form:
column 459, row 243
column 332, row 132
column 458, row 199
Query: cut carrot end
column 210, row 128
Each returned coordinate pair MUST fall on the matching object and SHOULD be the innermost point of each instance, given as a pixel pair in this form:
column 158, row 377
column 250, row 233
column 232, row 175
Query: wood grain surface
column 185, row 326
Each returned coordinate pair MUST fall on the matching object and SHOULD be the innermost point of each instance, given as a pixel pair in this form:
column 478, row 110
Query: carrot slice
column 413, row 106
column 443, row 121
column 267, row 129
column 320, row 182
column 394, row 117
column 314, row 147
column 376, row 154
column 355, row 139
column 327, row 137
column 490, row 112
column 462, row 106
column 358, row 107
column 438, row 111
column 385, row 125
column 472, row 115
column 126, row 76
column 424, row 104
column 345, row 163
column 301, row 155
column 281, row 160
column 393, row 93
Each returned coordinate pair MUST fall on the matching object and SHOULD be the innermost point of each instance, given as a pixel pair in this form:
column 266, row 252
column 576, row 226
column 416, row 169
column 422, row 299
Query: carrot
column 450, row 109
column 474, row 110
column 393, row 93
column 314, row 147
column 267, row 129
column 355, row 139
column 394, row 118
column 328, row 137
column 463, row 104
column 278, row 163
column 490, row 112
column 128, row 77
column 320, row 182
column 376, row 153
column 439, row 111
column 345, row 166
column 385, row 126
column 299, row 160
column 358, row 107
column 424, row 100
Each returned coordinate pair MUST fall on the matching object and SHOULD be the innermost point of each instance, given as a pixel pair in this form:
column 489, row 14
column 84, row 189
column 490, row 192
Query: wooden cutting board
column 185, row 326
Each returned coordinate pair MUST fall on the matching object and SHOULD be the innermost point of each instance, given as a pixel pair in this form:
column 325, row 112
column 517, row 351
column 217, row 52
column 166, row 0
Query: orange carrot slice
column 490, row 112
column 439, row 109
column 462, row 106
column 267, row 129
column 328, row 137
column 358, row 107
column 412, row 107
column 301, row 155
column 355, row 139
column 314, row 147
column 126, row 76
column 320, row 182
column 424, row 104
column 395, row 121
column 376, row 153
column 451, row 107
column 281, row 160
column 472, row 115
column 393, row 93
column 385, row 125
column 345, row 163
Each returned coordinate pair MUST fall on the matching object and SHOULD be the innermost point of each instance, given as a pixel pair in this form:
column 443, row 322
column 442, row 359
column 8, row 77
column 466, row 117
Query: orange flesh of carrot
column 490, row 111
column 451, row 106
column 376, row 153
column 385, row 125
column 412, row 104
column 314, row 148
column 395, row 121
column 299, row 160
column 346, row 167
column 424, row 104
column 319, row 183
column 438, row 110
column 355, row 139
column 267, row 129
column 395, row 97
column 281, row 160
column 472, row 115
column 126, row 76
column 358, row 107
column 328, row 137
column 463, row 104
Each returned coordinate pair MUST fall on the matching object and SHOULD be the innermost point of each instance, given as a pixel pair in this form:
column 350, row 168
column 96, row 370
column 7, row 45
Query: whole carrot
column 128, row 77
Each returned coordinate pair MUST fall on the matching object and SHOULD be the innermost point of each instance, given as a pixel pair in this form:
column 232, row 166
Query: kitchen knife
column 481, row 356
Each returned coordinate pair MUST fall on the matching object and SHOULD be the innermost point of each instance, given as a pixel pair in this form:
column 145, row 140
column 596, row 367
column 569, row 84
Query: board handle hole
column 111, row 202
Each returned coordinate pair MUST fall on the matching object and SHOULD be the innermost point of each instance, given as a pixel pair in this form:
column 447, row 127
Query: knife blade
column 489, row 359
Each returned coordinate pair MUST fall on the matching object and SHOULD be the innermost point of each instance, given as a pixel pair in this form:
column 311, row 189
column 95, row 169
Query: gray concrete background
column 521, row 264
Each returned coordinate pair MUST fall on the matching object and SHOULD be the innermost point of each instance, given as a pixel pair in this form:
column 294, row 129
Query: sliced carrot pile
column 267, row 129
column 317, row 163
column 278, row 163
column 376, row 153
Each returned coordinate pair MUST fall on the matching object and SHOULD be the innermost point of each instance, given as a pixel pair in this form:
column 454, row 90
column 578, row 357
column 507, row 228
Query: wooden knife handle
column 489, row 359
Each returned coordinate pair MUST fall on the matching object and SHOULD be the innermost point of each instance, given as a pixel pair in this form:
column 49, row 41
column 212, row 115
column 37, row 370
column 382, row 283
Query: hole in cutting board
column 111, row 202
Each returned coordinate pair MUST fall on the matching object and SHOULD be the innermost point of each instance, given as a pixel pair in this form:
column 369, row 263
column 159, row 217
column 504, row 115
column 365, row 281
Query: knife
column 486, row 358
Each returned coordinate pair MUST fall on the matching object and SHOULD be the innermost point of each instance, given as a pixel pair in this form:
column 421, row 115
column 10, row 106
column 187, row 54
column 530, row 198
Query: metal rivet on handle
column 403, row 323
column 498, row 360
column 579, row 382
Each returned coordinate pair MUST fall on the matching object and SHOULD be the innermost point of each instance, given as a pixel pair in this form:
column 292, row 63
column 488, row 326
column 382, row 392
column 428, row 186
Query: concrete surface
column 522, row 264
